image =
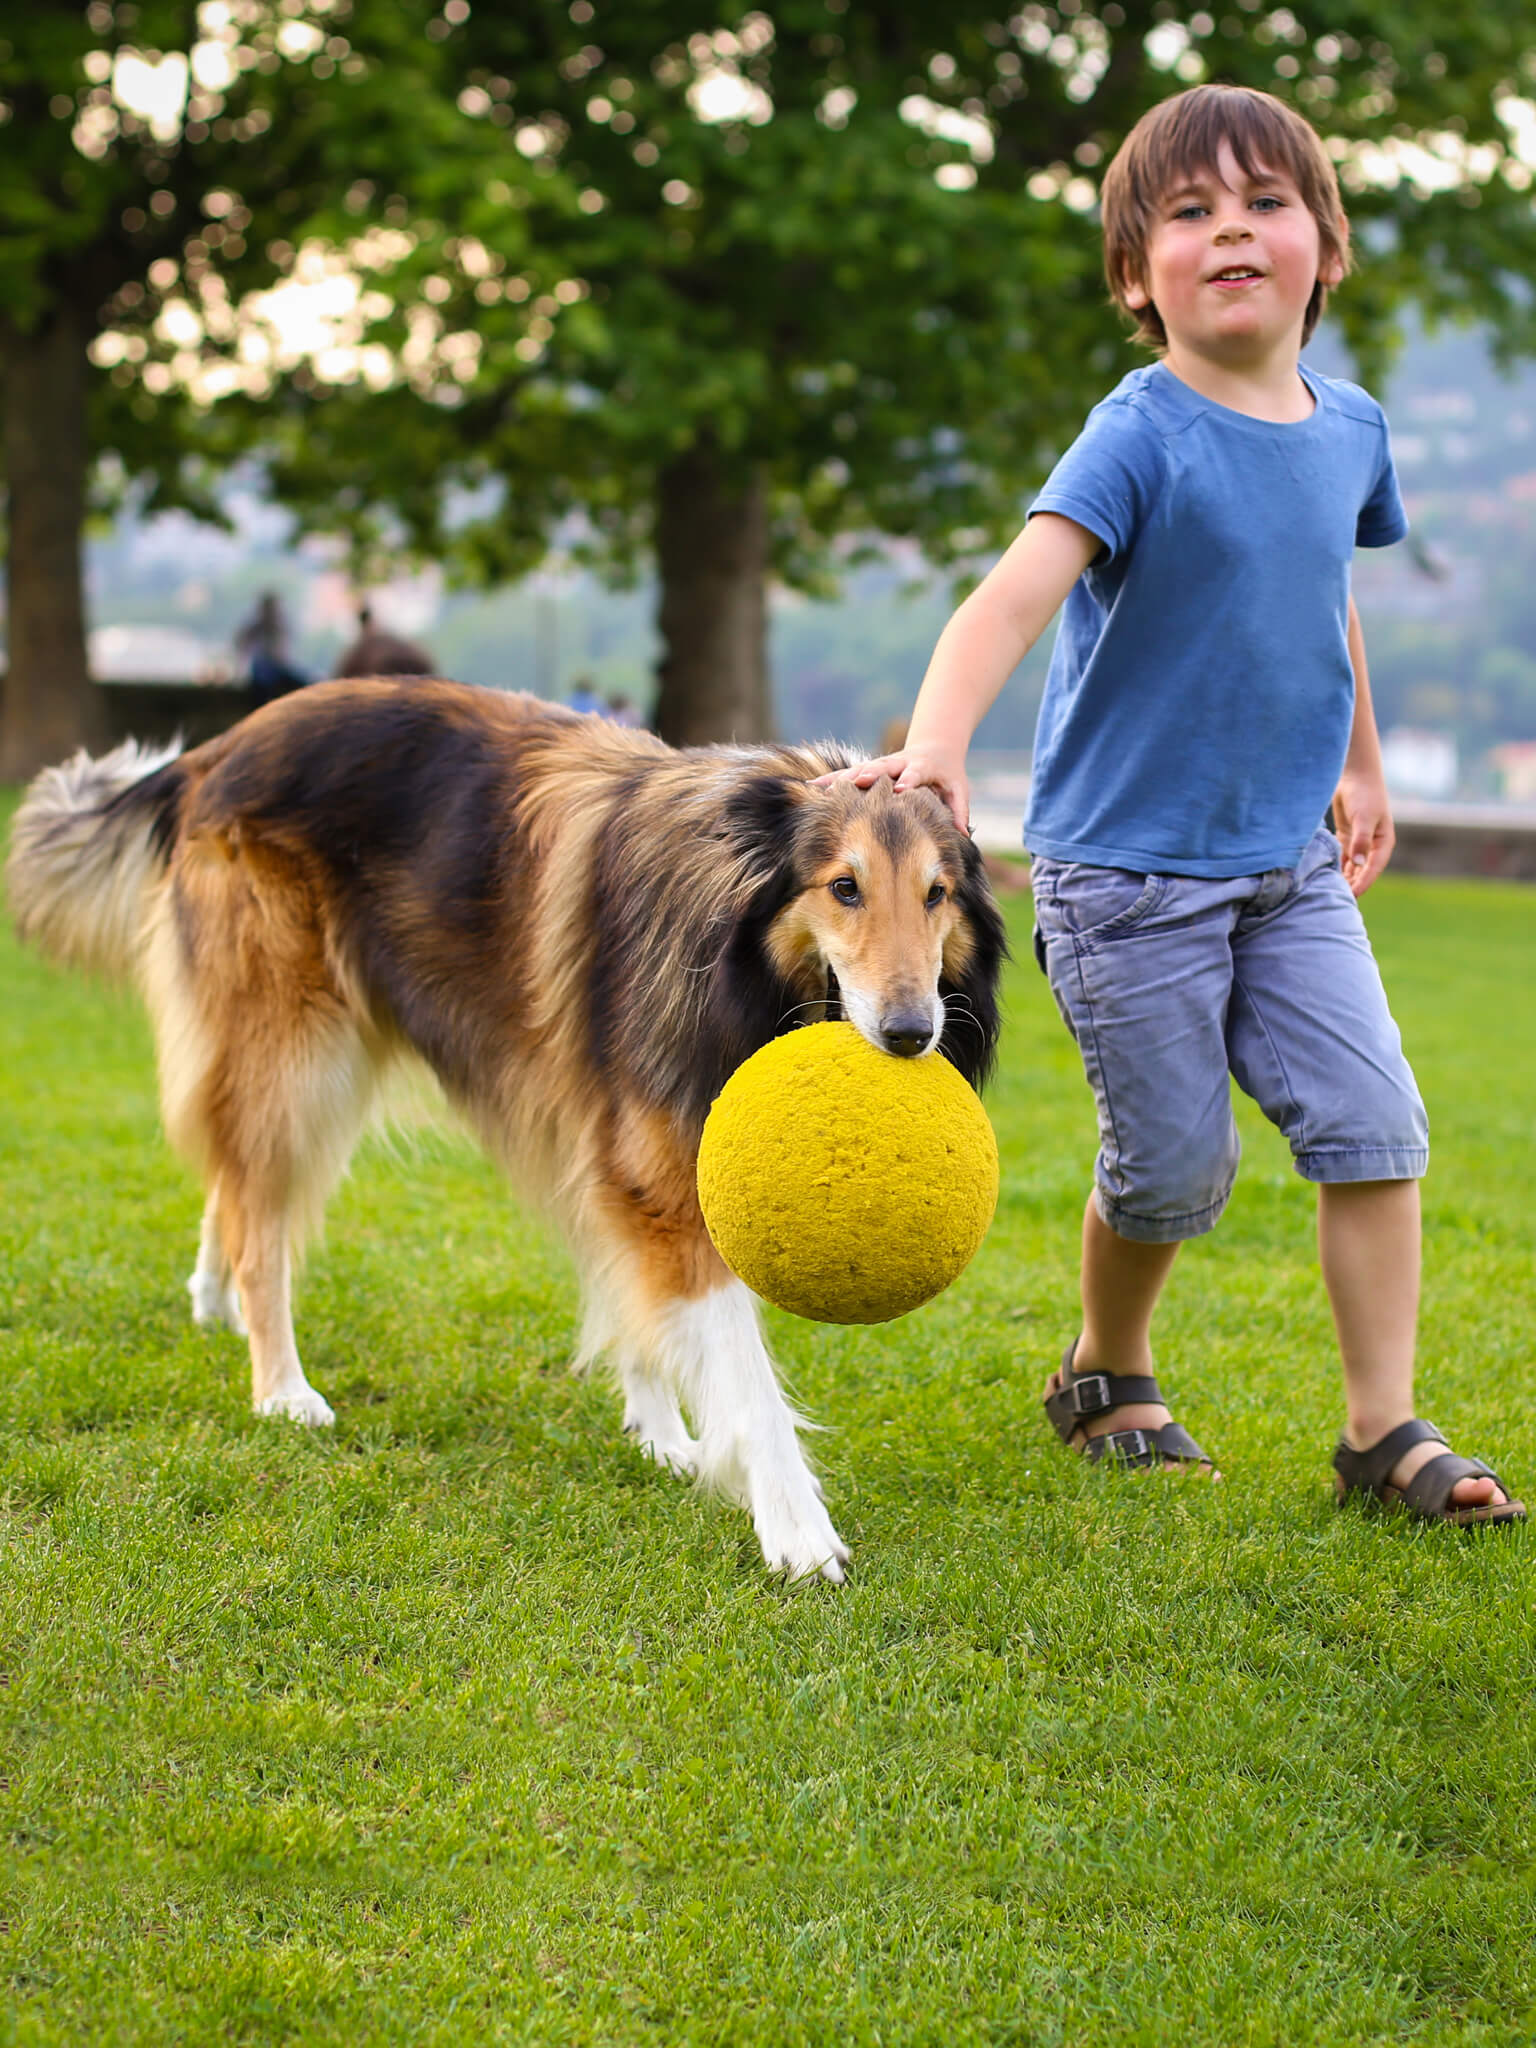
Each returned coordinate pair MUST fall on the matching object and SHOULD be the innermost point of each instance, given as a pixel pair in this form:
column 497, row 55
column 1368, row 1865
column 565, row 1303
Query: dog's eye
column 935, row 896
column 846, row 890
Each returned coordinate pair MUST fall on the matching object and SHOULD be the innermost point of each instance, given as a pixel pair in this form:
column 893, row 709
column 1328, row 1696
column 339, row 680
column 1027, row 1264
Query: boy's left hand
column 1362, row 818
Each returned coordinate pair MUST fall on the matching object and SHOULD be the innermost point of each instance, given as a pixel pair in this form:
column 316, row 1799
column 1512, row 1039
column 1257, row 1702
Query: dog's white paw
column 652, row 1418
column 678, row 1454
column 798, row 1538
column 216, row 1302
column 299, row 1404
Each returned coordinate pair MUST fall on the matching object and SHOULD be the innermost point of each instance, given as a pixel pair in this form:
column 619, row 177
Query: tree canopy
column 736, row 289
column 844, row 261
column 159, row 164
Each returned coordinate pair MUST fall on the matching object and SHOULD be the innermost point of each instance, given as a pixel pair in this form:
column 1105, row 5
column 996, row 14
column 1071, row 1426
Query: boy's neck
column 1266, row 387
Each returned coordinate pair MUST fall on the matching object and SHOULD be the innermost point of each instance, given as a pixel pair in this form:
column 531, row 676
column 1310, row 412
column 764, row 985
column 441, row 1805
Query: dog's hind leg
column 749, row 1447
column 256, row 1232
column 215, row 1298
column 266, row 1076
column 284, row 1137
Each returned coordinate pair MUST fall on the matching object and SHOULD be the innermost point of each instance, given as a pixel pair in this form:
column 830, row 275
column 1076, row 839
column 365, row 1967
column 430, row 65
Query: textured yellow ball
column 842, row 1183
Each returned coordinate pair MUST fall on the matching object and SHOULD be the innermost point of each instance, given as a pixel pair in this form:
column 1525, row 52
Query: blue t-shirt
column 1200, row 695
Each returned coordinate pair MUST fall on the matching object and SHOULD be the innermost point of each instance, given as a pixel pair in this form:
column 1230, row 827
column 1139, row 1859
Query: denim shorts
column 1171, row 983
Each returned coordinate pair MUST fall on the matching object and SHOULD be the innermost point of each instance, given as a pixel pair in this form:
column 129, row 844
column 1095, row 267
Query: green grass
column 463, row 1724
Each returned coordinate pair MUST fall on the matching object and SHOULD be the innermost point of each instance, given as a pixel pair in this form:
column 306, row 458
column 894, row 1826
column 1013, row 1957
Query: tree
column 159, row 161
column 833, row 272
column 734, row 289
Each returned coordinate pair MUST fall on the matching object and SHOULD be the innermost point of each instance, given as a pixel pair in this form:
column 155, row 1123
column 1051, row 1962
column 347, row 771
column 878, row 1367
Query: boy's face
column 1231, row 262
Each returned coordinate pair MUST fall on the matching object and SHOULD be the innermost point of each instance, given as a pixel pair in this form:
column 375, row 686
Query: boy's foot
column 1121, row 1417
column 1411, row 1467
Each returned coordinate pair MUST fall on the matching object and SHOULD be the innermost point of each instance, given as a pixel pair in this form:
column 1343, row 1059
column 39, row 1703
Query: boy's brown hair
column 1184, row 134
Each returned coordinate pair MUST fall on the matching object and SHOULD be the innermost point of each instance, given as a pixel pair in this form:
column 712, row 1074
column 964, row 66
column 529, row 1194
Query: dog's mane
column 695, row 854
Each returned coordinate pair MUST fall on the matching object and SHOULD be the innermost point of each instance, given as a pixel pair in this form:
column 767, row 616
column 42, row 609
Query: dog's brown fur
column 581, row 931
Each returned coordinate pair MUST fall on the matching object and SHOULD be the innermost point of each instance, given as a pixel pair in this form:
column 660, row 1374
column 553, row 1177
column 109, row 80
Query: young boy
column 1207, row 700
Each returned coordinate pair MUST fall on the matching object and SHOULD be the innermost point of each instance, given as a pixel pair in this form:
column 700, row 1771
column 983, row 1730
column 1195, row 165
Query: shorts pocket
column 1094, row 904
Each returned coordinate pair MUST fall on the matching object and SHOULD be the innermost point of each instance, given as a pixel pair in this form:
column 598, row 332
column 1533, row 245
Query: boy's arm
column 1362, row 811
column 977, row 651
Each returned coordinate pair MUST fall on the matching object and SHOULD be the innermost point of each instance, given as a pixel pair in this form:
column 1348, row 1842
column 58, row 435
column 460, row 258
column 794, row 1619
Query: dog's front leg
column 748, row 1447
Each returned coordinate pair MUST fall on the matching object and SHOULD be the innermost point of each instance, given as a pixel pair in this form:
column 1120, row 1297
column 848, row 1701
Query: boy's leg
column 1312, row 1040
column 1141, row 970
column 1121, row 1283
column 1368, row 1241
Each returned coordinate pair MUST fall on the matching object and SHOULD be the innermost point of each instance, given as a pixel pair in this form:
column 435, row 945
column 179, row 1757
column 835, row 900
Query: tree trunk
column 48, row 703
column 712, row 558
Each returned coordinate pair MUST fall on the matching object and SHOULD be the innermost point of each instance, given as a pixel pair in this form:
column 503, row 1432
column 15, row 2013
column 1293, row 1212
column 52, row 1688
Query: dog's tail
column 88, row 842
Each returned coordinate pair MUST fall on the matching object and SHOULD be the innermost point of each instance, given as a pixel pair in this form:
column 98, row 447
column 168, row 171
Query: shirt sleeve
column 1109, row 478
column 1382, row 519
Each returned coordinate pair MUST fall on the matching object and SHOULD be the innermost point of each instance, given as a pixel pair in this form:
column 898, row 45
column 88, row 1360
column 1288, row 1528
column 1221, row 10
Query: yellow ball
column 842, row 1183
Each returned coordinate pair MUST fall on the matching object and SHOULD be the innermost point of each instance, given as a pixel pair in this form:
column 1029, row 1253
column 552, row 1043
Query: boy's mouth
column 1237, row 273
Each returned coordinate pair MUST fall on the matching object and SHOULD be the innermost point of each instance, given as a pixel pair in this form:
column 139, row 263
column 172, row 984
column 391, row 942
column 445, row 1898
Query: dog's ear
column 970, row 973
column 758, row 819
column 747, row 999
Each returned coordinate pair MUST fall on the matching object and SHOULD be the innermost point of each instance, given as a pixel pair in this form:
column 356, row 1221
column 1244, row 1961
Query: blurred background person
column 376, row 652
column 262, row 645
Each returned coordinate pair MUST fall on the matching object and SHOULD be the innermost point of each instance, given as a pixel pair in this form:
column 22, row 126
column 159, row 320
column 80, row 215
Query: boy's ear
column 1132, row 290
column 1330, row 271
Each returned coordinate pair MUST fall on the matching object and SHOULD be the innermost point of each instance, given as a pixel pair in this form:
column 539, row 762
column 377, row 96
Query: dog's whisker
column 813, row 1003
column 965, row 1017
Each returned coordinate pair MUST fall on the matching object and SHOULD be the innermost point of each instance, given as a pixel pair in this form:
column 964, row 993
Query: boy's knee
column 1164, row 1201
column 1383, row 1136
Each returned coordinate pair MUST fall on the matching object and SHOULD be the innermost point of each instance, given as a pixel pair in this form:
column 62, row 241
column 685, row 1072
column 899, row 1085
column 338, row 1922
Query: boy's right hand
column 913, row 768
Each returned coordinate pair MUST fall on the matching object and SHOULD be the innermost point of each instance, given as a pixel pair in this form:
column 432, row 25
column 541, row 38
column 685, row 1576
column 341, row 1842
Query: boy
column 1207, row 700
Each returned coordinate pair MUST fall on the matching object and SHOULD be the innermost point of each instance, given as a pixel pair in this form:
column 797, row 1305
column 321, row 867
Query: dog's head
column 876, row 901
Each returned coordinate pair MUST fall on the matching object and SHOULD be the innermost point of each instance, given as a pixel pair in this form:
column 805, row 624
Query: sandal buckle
column 1130, row 1446
column 1090, row 1394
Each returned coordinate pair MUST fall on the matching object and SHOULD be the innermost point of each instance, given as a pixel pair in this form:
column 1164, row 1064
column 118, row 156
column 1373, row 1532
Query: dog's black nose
column 906, row 1034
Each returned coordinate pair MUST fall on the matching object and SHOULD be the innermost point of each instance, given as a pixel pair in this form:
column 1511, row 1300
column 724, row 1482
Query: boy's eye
column 1190, row 212
column 1269, row 201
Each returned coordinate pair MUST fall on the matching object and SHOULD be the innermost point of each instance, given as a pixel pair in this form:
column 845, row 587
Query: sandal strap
column 1138, row 1448
column 1366, row 1471
column 1081, row 1395
column 1428, row 1492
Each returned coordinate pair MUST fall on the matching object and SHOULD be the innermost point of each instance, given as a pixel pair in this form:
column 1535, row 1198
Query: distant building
column 1418, row 762
column 1515, row 765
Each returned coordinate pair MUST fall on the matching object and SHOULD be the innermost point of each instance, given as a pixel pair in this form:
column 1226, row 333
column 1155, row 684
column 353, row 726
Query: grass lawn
column 463, row 1724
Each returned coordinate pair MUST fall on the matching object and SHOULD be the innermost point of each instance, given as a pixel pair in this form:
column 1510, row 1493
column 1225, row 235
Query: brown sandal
column 1427, row 1495
column 1081, row 1395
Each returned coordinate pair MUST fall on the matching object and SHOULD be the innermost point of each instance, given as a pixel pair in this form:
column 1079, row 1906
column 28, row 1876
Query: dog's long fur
column 581, row 931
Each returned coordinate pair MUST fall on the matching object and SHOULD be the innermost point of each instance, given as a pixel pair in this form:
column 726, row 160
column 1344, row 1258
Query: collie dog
column 581, row 931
